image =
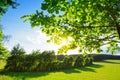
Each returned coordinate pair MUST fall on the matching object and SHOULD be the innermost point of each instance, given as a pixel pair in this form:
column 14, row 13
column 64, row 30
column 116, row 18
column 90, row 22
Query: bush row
column 45, row 61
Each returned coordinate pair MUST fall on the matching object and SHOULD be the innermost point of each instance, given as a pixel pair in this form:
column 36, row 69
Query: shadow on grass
column 91, row 68
column 25, row 75
column 111, row 62
column 96, row 66
column 88, row 69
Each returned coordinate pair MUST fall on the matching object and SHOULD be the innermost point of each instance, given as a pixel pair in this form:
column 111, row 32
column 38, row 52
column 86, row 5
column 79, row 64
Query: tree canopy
column 84, row 24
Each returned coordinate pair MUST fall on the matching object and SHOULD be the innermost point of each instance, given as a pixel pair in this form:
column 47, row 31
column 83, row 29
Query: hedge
column 45, row 61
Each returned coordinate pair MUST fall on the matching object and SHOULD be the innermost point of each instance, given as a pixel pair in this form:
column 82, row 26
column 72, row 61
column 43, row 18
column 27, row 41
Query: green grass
column 106, row 70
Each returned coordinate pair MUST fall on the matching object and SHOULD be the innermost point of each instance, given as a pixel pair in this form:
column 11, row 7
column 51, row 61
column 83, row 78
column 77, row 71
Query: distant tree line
column 96, row 57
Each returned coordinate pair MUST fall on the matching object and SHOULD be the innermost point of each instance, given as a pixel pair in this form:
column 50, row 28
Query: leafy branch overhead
column 4, row 4
column 84, row 24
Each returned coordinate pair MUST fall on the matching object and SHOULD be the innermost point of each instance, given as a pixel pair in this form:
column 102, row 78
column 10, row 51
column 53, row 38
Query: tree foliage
column 84, row 24
column 17, row 50
column 4, row 53
column 4, row 5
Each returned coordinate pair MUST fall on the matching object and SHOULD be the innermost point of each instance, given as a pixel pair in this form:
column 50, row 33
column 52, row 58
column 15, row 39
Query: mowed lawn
column 106, row 70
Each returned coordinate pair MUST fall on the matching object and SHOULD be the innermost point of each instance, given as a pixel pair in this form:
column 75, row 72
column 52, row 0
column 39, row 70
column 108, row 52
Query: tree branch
column 106, row 38
column 103, row 26
column 113, row 16
column 95, row 26
column 110, row 42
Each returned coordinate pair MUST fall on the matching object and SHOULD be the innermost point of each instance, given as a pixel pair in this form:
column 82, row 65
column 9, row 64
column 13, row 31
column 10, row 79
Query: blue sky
column 22, row 33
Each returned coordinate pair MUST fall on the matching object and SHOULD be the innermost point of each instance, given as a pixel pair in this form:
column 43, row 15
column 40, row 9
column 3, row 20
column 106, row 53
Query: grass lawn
column 106, row 70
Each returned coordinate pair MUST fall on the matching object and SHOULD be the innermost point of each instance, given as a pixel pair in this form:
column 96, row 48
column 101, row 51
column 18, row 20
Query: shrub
column 88, row 61
column 56, row 65
column 67, row 62
column 47, row 58
column 31, row 62
column 15, row 63
column 79, row 62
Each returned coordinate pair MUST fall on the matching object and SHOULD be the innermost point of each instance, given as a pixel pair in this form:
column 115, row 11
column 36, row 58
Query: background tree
column 84, row 24
column 17, row 50
column 4, row 53
column 4, row 5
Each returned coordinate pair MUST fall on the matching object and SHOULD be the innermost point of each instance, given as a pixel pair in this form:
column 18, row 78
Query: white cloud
column 37, row 37
column 38, row 40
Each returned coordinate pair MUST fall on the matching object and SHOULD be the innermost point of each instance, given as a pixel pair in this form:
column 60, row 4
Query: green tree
column 4, row 5
column 4, row 53
column 84, row 24
column 17, row 50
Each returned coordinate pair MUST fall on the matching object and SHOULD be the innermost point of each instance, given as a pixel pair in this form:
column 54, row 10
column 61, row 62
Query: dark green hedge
column 45, row 61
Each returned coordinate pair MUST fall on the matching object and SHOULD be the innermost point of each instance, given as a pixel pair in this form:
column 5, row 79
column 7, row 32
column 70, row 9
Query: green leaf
column 44, row 6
